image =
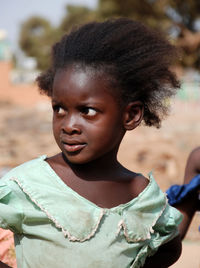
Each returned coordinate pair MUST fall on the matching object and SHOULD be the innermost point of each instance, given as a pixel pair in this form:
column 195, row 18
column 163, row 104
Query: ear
column 133, row 114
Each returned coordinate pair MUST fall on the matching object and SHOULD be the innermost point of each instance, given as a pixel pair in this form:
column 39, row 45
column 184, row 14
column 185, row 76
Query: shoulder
column 193, row 165
column 138, row 184
column 25, row 168
column 195, row 155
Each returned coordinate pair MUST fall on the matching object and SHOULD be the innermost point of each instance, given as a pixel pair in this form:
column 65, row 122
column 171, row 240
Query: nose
column 70, row 125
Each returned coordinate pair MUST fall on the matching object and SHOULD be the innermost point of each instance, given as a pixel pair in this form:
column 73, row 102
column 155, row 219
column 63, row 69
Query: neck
column 96, row 169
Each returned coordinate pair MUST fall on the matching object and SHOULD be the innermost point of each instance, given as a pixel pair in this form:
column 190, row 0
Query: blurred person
column 81, row 207
column 186, row 197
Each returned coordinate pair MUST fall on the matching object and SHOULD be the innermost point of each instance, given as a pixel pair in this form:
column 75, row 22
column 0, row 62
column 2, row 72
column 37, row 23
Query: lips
column 73, row 146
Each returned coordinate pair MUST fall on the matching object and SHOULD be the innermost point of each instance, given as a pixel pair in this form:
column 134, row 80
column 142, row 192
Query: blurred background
column 27, row 31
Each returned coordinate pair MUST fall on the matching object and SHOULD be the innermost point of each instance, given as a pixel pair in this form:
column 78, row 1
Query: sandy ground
column 25, row 132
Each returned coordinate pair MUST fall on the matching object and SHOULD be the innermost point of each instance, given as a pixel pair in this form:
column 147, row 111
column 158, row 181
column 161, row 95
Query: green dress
column 56, row 227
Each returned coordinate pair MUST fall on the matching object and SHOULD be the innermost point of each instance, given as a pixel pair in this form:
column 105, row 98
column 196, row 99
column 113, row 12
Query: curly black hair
column 136, row 57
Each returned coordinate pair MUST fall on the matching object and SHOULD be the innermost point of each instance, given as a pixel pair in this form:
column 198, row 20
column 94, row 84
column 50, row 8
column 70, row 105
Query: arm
column 193, row 165
column 166, row 255
column 189, row 206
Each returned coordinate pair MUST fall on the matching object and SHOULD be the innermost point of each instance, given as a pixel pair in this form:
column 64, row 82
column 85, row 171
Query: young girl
column 81, row 207
column 186, row 197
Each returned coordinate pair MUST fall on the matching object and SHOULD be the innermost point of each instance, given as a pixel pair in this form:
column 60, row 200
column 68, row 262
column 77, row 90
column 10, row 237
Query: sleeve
column 177, row 193
column 10, row 209
column 166, row 228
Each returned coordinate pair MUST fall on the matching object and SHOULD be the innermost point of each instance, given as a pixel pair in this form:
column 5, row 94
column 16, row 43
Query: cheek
column 106, row 131
column 56, row 129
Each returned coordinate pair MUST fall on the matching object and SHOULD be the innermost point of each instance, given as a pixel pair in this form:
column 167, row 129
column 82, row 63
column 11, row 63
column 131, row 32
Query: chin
column 81, row 158
column 75, row 159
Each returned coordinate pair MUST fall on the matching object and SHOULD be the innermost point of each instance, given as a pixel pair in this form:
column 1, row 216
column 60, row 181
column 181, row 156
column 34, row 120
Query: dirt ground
column 25, row 132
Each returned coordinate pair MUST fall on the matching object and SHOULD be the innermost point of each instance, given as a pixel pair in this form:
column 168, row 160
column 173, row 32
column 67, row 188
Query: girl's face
column 87, row 116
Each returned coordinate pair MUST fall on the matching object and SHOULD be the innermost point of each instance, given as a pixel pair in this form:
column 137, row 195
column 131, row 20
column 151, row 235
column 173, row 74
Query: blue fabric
column 177, row 193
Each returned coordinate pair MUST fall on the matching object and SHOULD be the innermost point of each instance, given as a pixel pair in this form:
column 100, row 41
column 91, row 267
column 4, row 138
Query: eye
column 59, row 110
column 89, row 111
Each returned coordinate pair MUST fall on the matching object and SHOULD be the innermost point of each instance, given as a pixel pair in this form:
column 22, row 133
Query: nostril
column 75, row 131
column 71, row 130
column 70, row 124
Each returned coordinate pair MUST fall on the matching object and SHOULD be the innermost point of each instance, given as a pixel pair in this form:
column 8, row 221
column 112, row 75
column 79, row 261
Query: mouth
column 72, row 148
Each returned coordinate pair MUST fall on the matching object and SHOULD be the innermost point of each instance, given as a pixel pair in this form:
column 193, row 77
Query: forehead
column 83, row 82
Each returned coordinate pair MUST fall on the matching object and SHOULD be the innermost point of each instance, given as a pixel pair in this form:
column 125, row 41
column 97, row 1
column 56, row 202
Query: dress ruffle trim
column 56, row 221
column 144, row 213
column 80, row 220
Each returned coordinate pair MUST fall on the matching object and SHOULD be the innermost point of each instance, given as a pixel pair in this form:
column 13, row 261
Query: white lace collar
column 77, row 217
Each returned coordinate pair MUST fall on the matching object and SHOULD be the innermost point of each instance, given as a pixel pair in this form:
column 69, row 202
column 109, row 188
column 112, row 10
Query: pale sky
column 14, row 12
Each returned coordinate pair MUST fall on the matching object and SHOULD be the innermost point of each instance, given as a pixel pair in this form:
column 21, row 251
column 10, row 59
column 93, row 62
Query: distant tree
column 37, row 34
column 150, row 12
column 180, row 19
column 185, row 17
column 36, row 38
column 76, row 15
